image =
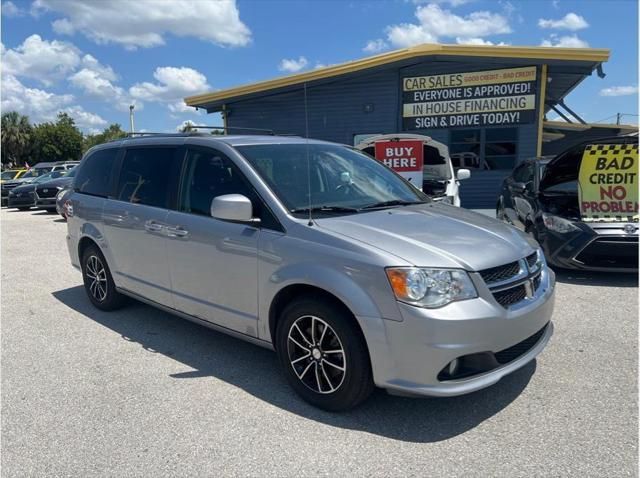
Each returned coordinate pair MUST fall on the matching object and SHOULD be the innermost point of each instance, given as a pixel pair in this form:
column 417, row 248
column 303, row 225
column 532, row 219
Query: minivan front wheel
column 324, row 354
column 98, row 283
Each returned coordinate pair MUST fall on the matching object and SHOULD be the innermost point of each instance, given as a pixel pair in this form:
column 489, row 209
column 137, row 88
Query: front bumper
column 21, row 200
column 420, row 346
column 594, row 247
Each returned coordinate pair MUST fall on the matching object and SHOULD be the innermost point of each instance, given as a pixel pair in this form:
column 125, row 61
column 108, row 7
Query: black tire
column 24, row 208
column 102, row 295
column 340, row 390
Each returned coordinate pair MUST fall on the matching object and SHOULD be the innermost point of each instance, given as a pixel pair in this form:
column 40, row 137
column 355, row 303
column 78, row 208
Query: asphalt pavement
column 139, row 392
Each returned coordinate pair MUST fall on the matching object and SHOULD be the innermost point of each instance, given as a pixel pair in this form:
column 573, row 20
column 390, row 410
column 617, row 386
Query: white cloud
column 10, row 9
column 292, row 65
column 569, row 41
column 375, row 46
column 453, row 3
column 478, row 41
column 84, row 119
column 570, row 21
column 173, row 84
column 41, row 106
column 619, row 91
column 41, row 60
column 435, row 23
column 144, row 23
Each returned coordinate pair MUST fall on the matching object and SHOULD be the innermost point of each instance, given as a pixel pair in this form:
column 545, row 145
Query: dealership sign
column 403, row 156
column 480, row 98
column 608, row 182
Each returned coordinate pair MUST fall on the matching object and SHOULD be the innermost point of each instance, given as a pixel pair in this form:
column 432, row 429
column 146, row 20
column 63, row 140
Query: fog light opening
column 453, row 367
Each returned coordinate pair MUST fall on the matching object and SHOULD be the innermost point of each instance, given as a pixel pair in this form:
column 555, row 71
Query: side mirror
column 232, row 207
column 519, row 187
column 463, row 174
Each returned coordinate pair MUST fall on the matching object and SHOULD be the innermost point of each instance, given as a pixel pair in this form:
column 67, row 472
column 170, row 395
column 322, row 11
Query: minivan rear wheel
column 323, row 354
column 98, row 282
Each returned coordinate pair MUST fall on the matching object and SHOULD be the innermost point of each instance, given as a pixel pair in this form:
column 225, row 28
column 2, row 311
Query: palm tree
column 16, row 135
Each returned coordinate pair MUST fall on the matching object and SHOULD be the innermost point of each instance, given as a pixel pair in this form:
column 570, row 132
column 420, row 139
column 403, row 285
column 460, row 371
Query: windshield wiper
column 325, row 209
column 394, row 202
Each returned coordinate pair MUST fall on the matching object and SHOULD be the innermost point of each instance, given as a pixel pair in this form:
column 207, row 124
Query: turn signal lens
column 430, row 287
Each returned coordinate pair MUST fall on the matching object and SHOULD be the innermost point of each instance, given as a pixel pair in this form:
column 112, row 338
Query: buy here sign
column 406, row 157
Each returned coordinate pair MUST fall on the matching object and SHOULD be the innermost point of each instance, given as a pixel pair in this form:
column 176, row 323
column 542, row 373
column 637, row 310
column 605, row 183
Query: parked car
column 11, row 174
column 23, row 196
column 61, row 201
column 316, row 250
column 36, row 171
column 439, row 180
column 541, row 197
column 46, row 193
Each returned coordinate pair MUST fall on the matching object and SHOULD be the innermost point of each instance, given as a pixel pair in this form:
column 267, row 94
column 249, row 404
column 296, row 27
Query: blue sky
column 94, row 58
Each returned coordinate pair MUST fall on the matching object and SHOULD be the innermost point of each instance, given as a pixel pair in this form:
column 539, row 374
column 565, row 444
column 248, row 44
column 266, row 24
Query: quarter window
column 94, row 176
column 144, row 176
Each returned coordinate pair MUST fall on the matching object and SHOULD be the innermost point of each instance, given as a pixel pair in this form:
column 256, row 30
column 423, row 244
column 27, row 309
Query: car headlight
column 558, row 224
column 60, row 193
column 430, row 288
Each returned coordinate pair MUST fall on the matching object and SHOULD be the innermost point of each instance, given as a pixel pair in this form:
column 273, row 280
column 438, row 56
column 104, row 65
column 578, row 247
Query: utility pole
column 131, row 107
column 618, row 115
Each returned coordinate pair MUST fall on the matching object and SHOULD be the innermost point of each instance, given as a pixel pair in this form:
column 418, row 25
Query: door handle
column 153, row 226
column 177, row 231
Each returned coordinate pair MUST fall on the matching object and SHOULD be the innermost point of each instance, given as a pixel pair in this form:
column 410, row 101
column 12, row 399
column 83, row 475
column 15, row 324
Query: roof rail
column 194, row 130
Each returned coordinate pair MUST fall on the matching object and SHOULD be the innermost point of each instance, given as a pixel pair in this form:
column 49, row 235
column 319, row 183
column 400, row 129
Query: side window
column 94, row 176
column 210, row 173
column 144, row 176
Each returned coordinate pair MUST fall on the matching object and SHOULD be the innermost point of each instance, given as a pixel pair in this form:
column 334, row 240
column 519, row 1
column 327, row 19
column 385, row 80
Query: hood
column 435, row 235
column 23, row 188
column 56, row 183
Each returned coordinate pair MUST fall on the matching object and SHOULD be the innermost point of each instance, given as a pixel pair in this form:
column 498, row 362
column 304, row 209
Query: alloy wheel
column 316, row 354
column 97, row 275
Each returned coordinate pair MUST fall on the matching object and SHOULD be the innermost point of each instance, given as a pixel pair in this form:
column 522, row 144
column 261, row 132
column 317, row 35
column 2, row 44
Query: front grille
column 613, row 252
column 521, row 348
column 49, row 192
column 536, row 282
column 510, row 296
column 500, row 273
column 532, row 259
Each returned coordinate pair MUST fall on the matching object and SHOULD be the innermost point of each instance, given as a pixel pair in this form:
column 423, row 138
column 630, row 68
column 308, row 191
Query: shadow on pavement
column 256, row 370
column 604, row 279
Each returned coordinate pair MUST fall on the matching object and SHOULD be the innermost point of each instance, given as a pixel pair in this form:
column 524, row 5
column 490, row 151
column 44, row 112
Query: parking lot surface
column 139, row 392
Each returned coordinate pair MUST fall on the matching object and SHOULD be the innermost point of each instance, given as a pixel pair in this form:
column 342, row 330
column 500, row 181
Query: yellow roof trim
column 581, row 127
column 532, row 52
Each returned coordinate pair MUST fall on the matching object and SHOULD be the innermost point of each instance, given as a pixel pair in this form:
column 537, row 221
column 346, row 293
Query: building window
column 500, row 147
column 491, row 148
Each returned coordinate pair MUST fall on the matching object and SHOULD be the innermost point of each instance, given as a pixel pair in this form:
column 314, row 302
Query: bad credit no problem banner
column 479, row 98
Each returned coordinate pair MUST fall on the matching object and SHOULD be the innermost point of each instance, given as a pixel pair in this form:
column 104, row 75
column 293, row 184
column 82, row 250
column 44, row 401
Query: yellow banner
column 608, row 182
column 454, row 80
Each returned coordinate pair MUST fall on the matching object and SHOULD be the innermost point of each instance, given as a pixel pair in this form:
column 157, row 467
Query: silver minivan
column 354, row 277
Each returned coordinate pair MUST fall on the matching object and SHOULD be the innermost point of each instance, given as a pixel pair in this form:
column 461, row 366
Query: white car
column 439, row 180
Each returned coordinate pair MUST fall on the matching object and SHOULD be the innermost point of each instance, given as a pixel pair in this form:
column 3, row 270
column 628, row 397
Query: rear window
column 94, row 175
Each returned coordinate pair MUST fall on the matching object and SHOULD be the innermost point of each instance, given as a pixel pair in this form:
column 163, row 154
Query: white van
column 439, row 180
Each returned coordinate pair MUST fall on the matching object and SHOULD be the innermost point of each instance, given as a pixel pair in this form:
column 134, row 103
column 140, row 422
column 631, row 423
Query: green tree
column 59, row 141
column 113, row 131
column 16, row 134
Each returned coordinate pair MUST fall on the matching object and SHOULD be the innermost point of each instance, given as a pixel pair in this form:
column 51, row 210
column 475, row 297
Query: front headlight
column 430, row 288
column 558, row 224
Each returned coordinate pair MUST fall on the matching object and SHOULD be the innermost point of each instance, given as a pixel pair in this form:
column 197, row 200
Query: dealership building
column 488, row 104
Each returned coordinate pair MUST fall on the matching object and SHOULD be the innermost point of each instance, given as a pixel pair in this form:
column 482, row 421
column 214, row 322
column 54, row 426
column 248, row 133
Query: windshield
column 338, row 177
column 49, row 176
column 8, row 174
column 435, row 166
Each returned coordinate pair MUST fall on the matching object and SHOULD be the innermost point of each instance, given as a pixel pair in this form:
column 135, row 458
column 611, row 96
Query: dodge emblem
column 630, row 228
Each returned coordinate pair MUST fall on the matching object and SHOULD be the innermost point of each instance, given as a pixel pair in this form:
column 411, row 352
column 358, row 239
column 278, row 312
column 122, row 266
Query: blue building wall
column 370, row 103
